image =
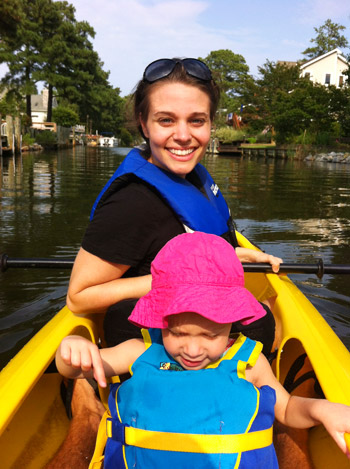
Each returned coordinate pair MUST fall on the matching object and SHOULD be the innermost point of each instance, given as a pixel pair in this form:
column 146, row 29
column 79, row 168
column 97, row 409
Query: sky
column 132, row 33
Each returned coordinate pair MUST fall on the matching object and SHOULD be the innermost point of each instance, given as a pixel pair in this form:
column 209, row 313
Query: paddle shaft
column 63, row 263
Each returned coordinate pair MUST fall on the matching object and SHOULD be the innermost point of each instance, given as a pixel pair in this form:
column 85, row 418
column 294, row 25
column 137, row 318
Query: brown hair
column 141, row 101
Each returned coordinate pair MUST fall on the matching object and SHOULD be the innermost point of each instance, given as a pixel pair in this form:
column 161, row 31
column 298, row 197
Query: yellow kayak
column 309, row 359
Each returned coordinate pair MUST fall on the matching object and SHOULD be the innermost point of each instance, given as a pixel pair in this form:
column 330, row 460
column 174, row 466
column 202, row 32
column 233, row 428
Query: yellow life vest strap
column 194, row 443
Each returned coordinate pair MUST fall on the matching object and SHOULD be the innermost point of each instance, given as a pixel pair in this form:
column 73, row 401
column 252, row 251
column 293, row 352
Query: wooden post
column 18, row 137
column 9, row 131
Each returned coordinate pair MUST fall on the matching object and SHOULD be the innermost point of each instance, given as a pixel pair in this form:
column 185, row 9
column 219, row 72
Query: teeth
column 181, row 152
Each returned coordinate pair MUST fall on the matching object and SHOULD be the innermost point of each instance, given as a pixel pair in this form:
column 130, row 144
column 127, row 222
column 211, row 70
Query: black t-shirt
column 131, row 227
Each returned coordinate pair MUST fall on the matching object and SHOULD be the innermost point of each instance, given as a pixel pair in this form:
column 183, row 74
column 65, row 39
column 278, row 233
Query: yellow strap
column 195, row 443
column 101, row 439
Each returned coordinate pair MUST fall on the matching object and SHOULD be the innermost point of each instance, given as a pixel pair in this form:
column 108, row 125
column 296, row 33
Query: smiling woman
column 158, row 192
column 180, row 123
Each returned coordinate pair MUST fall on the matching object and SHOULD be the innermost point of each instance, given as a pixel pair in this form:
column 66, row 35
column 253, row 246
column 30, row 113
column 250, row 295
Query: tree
column 328, row 38
column 263, row 95
column 19, row 46
column 231, row 73
column 76, row 61
column 65, row 116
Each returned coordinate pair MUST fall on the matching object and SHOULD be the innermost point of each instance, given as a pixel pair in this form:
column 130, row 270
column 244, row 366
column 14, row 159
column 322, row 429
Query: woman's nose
column 182, row 133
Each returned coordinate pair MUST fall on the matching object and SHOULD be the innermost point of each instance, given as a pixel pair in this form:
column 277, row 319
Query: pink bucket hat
column 199, row 273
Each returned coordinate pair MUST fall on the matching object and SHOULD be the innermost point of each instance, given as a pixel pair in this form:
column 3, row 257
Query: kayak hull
column 309, row 358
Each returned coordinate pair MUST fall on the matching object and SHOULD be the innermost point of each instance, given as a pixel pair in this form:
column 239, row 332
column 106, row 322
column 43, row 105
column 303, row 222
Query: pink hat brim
column 221, row 304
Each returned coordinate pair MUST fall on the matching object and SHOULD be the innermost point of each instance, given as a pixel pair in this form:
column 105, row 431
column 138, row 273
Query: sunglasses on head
column 162, row 68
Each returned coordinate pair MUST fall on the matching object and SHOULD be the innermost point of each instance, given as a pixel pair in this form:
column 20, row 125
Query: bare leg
column 291, row 447
column 77, row 449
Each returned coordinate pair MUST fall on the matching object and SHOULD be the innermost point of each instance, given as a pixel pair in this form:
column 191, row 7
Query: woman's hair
column 141, row 96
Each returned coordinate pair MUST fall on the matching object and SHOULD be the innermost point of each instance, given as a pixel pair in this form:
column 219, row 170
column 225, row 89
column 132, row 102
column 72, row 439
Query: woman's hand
column 253, row 256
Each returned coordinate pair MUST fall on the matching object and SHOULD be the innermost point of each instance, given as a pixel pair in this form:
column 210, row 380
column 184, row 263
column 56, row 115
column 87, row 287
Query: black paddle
column 63, row 263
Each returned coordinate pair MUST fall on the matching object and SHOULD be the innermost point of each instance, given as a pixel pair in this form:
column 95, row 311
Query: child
column 169, row 414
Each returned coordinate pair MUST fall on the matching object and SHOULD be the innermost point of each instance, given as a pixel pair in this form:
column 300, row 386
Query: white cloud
column 132, row 33
column 316, row 12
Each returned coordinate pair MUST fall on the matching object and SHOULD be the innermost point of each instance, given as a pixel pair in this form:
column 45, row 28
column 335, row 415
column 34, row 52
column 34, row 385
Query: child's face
column 194, row 341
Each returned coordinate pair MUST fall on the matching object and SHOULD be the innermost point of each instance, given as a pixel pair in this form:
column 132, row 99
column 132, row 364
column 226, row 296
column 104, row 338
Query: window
column 341, row 80
column 328, row 79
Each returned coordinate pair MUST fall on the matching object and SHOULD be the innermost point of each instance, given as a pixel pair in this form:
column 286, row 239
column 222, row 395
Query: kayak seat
column 291, row 381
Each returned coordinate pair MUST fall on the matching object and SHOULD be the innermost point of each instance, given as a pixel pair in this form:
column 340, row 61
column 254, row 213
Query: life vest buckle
column 116, row 430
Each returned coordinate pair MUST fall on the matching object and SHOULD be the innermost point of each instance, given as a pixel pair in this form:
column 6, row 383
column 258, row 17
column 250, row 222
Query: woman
column 158, row 193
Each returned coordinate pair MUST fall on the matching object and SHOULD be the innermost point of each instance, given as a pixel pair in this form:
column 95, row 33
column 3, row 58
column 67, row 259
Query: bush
column 228, row 135
column 264, row 138
column 27, row 140
column 325, row 138
column 125, row 138
column 305, row 138
column 251, row 140
column 46, row 137
column 65, row 116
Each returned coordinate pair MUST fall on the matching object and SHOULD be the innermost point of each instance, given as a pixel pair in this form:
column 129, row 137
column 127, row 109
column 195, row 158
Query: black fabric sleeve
column 130, row 227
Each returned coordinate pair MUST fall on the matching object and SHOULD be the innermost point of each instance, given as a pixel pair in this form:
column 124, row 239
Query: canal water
column 297, row 210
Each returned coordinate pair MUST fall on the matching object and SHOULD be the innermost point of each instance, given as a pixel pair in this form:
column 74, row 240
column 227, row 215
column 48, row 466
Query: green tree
column 328, row 38
column 262, row 97
column 19, row 47
column 65, row 116
column 10, row 16
column 340, row 108
column 231, row 72
column 76, row 62
column 306, row 108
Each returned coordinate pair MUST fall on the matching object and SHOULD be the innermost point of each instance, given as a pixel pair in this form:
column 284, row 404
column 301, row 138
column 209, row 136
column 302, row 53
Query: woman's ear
column 144, row 127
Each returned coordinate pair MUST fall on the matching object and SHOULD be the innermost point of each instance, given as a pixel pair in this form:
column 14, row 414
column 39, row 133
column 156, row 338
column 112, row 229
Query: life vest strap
column 188, row 442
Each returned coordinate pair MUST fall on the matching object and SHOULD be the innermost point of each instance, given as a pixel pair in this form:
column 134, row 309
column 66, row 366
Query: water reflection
column 295, row 210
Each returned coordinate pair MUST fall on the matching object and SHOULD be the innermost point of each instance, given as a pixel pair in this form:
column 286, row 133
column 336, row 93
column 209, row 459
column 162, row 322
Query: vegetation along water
column 298, row 210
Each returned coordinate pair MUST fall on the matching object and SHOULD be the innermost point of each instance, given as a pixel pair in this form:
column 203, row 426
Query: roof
column 287, row 63
column 323, row 56
column 38, row 102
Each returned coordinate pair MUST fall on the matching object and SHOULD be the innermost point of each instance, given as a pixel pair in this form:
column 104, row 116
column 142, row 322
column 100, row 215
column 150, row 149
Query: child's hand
column 337, row 422
column 81, row 354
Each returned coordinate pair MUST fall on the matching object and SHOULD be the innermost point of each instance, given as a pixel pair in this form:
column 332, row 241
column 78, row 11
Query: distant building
column 287, row 63
column 327, row 69
column 39, row 106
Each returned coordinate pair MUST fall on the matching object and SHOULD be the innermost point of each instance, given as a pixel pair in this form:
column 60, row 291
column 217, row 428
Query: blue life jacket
column 168, row 417
column 196, row 211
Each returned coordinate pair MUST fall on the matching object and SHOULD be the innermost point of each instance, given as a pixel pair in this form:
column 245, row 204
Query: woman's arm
column 96, row 284
column 253, row 256
column 78, row 357
column 301, row 412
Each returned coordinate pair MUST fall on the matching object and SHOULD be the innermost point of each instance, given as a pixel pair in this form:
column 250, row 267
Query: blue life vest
column 167, row 417
column 196, row 211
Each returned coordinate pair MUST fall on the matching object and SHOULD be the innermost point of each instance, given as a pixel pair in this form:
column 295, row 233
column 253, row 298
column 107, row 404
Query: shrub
column 228, row 135
column 264, row 138
column 65, row 116
column 125, row 138
column 27, row 140
column 46, row 137
column 251, row 140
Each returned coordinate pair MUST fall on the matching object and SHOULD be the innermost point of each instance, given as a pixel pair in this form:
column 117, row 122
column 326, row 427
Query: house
column 39, row 106
column 327, row 69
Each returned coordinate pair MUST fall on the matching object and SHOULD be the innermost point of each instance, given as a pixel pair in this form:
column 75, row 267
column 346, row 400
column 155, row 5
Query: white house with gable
column 327, row 69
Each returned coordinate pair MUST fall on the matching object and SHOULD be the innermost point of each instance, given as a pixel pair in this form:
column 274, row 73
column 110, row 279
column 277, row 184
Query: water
column 295, row 210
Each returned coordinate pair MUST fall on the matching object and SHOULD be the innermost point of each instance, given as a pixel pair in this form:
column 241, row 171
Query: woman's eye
column 198, row 121
column 165, row 121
